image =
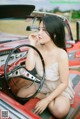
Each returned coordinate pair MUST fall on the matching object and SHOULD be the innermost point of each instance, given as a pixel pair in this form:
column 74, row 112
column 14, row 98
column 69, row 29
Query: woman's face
column 43, row 35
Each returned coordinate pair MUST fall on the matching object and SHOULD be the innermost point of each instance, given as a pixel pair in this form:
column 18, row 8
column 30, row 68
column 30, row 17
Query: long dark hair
column 55, row 27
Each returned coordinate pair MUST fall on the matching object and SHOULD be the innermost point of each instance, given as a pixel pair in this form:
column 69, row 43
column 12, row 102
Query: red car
column 14, row 75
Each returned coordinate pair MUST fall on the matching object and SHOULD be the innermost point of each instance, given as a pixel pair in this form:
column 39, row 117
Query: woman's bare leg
column 59, row 107
column 26, row 92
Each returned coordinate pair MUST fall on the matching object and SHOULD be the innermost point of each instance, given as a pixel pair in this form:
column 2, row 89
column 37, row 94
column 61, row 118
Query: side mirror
column 28, row 28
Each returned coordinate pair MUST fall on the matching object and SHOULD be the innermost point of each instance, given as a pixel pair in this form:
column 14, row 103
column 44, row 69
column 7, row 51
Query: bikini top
column 51, row 73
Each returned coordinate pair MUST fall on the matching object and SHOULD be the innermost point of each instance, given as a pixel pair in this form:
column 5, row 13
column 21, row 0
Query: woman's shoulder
column 62, row 53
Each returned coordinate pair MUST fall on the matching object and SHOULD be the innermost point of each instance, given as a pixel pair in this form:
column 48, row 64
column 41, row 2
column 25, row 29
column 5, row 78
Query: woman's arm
column 31, row 59
column 64, row 74
column 31, row 55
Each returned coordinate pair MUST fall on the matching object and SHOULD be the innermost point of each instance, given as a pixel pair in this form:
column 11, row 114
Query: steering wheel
column 15, row 69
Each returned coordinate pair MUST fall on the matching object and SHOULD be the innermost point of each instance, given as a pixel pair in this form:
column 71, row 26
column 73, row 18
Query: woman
column 57, row 92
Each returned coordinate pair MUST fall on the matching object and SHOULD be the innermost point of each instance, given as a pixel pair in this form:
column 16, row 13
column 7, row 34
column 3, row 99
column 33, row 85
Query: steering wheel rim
column 43, row 77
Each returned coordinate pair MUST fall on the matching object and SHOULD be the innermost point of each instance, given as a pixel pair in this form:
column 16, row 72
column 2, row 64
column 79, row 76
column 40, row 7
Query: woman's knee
column 60, row 112
column 60, row 107
column 26, row 92
column 22, row 93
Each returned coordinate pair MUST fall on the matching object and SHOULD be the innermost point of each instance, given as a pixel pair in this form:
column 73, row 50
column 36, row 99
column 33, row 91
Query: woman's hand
column 41, row 106
column 33, row 39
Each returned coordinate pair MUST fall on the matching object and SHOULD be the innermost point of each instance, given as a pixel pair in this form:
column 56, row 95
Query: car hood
column 10, row 41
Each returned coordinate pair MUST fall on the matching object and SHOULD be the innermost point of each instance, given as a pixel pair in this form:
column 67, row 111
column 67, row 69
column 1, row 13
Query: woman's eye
column 42, row 29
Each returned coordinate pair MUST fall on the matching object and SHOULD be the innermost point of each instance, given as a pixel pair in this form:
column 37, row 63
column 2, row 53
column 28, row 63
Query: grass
column 14, row 27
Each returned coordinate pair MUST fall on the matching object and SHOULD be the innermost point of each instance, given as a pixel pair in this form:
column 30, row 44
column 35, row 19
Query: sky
column 46, row 4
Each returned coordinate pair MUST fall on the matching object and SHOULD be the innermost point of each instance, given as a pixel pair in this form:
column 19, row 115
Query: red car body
column 11, row 108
